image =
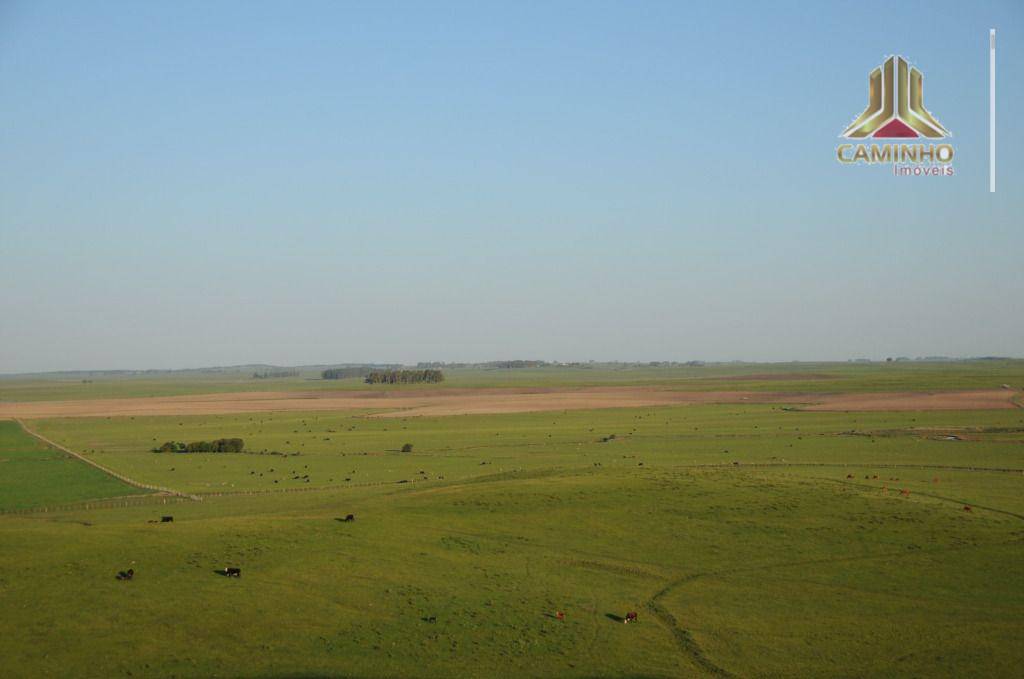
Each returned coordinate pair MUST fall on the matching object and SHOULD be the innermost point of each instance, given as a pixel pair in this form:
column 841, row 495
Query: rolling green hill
column 752, row 540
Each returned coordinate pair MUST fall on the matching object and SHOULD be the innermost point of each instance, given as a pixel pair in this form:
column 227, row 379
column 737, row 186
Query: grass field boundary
column 933, row 496
column 105, row 470
column 536, row 473
column 860, row 465
column 121, row 502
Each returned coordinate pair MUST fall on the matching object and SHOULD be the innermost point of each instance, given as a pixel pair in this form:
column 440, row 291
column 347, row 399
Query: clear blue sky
column 208, row 183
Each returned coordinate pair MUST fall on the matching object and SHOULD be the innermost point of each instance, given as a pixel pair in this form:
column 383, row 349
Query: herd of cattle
column 235, row 572
column 905, row 492
column 227, row 571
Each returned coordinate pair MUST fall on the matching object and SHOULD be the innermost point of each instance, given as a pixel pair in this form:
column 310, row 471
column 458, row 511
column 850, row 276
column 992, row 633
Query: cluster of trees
column 271, row 374
column 485, row 365
column 404, row 376
column 216, row 446
column 515, row 364
column 344, row 373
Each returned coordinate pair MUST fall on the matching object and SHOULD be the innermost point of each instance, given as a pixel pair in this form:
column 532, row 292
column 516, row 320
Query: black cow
column 126, row 575
column 233, row 572
column 166, row 519
column 349, row 517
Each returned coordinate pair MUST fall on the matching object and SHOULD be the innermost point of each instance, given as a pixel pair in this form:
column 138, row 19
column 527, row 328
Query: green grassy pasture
column 747, row 572
column 805, row 559
column 33, row 475
column 329, row 448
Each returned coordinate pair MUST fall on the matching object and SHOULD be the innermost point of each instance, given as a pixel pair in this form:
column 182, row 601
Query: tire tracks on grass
column 687, row 644
column 693, row 650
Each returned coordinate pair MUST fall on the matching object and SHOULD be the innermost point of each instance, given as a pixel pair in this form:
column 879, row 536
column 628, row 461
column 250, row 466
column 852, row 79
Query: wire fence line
column 125, row 501
column 108, row 503
column 307, row 489
column 104, row 469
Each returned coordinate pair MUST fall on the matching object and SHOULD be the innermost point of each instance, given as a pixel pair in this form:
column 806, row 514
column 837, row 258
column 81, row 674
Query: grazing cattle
column 849, row 476
column 233, row 572
column 126, row 575
column 560, row 615
column 166, row 519
column 630, row 617
column 967, row 508
column 349, row 517
column 904, row 492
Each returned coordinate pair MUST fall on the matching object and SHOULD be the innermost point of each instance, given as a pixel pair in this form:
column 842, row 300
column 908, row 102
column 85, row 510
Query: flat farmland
column 752, row 539
column 302, row 450
column 402, row 403
column 801, row 377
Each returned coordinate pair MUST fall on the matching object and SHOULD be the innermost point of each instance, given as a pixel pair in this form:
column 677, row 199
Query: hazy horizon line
column 544, row 362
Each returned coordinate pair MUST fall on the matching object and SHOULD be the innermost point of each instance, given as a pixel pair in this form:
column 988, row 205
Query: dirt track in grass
column 444, row 402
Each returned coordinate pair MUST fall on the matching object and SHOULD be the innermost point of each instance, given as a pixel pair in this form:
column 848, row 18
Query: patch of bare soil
column 443, row 402
column 394, row 403
column 772, row 377
column 991, row 399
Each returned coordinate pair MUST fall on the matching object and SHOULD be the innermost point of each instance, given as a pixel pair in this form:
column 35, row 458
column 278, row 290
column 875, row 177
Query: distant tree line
column 515, row 364
column 271, row 374
column 215, row 446
column 404, row 376
column 344, row 373
column 485, row 365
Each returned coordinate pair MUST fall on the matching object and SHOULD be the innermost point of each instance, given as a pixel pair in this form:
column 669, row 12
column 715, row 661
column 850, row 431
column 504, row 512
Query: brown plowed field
column 439, row 402
column 940, row 400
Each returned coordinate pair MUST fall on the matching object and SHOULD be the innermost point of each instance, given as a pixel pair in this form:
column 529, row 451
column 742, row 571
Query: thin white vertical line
column 992, row 110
